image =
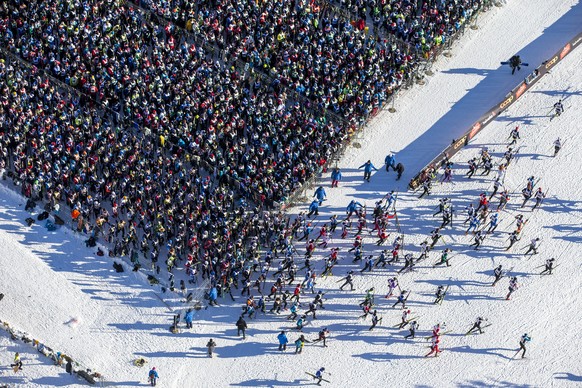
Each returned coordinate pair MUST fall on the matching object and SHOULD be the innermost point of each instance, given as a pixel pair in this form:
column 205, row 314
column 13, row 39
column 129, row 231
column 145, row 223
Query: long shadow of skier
column 487, row 351
column 269, row 383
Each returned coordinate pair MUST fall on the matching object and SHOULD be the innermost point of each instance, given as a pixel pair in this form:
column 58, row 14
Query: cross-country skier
column 423, row 251
column 473, row 225
column 498, row 273
column 369, row 264
column 515, row 63
column 153, row 376
column 348, row 280
column 434, row 348
column 503, row 199
column 368, row 167
column 300, row 323
column 439, row 294
column 493, row 222
column 519, row 223
column 412, row 328
column 514, row 135
column 375, row 320
column 479, row 237
column 404, row 318
column 319, row 375
column 496, row 185
column 299, row 343
column 477, row 325
column 513, row 285
column 392, row 284
column 312, row 309
column 539, row 196
column 426, row 187
column 472, row 167
column 443, row 204
column 549, row 266
column 408, row 263
column 211, row 345
column 17, row 365
column 526, row 192
column 435, row 236
column 322, row 336
column 524, row 339
column 293, row 310
column 513, row 237
column 557, row 146
column 533, row 246
column 401, row 299
column 444, row 258
column 558, row 108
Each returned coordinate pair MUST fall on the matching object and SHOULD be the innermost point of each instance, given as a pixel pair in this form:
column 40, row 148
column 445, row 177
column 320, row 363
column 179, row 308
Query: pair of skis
column 319, row 378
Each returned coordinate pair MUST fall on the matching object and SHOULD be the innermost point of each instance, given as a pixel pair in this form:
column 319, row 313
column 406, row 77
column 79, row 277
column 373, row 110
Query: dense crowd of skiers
column 155, row 151
column 163, row 185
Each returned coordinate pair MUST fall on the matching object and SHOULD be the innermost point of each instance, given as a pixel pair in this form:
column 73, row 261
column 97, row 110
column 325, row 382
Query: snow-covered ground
column 50, row 278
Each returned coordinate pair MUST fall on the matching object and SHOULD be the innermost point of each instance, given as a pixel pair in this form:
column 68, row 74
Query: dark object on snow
column 29, row 221
column 43, row 216
column 189, row 298
column 118, row 267
column 30, row 205
column 86, row 376
column 100, row 252
column 59, row 221
column 1, row 296
column 136, row 267
column 69, row 367
column 152, row 279
column 400, row 169
column 91, row 242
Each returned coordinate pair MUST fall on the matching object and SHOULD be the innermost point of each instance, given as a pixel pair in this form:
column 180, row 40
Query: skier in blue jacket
column 352, row 207
column 320, row 194
column 283, row 340
column 212, row 296
column 153, row 376
column 188, row 318
column 336, row 176
column 313, row 208
column 368, row 167
column 390, row 162
column 524, row 339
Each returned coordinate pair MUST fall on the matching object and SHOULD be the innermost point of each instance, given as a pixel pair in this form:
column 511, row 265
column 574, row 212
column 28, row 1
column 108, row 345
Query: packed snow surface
column 73, row 301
